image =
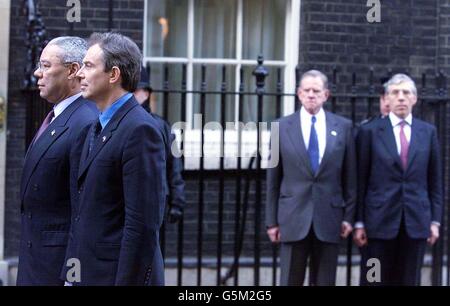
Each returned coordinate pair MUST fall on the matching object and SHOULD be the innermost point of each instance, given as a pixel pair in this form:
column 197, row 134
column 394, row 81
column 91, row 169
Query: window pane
column 264, row 24
column 167, row 28
column 250, row 103
column 174, row 83
column 215, row 29
column 213, row 101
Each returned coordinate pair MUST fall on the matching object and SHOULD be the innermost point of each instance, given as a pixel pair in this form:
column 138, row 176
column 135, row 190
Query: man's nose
column 37, row 73
column 80, row 74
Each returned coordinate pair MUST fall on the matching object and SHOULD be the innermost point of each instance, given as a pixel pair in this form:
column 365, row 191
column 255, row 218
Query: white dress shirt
column 61, row 106
column 320, row 126
column 395, row 121
column 321, row 130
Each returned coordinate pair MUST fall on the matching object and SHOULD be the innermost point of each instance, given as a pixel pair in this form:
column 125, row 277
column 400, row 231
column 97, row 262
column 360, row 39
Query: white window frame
column 291, row 52
column 5, row 9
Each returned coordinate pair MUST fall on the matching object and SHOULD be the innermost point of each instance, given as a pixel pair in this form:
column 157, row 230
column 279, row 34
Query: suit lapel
column 104, row 136
column 37, row 150
column 30, row 146
column 297, row 141
column 331, row 135
column 84, row 152
column 388, row 139
column 100, row 142
column 414, row 142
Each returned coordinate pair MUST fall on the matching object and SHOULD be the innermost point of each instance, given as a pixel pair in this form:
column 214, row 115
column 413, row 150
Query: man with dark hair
column 175, row 183
column 116, row 223
column 45, row 187
column 384, row 107
column 311, row 193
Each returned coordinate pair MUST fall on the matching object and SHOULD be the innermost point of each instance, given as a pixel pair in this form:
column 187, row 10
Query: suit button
column 29, row 244
column 30, row 215
column 77, row 218
column 80, row 190
column 35, row 187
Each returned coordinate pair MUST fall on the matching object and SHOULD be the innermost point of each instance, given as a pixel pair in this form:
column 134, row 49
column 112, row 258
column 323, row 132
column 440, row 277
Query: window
column 217, row 33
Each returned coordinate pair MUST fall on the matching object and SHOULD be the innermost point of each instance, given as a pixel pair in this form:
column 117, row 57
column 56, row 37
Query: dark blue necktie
column 94, row 134
column 313, row 147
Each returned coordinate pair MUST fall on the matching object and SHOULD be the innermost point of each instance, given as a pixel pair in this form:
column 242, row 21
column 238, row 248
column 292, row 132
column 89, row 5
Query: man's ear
column 298, row 92
column 414, row 100
column 73, row 70
column 114, row 75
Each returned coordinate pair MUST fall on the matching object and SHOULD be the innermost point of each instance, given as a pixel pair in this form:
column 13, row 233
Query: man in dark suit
column 311, row 192
column 399, row 204
column 175, row 182
column 45, row 186
column 383, row 106
column 115, row 229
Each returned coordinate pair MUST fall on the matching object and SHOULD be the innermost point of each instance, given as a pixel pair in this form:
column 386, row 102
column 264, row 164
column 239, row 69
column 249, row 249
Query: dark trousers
column 400, row 260
column 157, row 276
column 322, row 261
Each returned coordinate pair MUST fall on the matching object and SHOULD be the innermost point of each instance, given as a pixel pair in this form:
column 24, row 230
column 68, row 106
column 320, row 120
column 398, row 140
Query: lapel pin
column 334, row 133
column 104, row 138
column 53, row 132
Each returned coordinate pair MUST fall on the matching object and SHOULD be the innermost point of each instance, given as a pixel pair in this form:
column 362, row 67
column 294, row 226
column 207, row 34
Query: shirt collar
column 306, row 117
column 395, row 120
column 61, row 106
column 106, row 116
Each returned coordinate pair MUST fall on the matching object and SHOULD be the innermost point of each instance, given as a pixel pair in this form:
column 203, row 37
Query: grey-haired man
column 45, row 188
column 399, row 205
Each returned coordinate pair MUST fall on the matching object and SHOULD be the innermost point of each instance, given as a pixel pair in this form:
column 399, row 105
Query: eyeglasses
column 44, row 66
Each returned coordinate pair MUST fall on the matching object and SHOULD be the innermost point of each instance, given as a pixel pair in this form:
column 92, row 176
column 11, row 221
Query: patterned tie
column 44, row 125
column 94, row 134
column 404, row 146
column 313, row 147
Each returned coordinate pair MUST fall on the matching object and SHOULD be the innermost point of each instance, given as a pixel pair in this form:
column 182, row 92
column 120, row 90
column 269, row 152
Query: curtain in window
column 215, row 32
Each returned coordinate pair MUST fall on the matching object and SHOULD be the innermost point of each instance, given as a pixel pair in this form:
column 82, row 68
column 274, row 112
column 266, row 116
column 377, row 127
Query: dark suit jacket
column 119, row 208
column 45, row 196
column 296, row 198
column 175, row 182
column 385, row 190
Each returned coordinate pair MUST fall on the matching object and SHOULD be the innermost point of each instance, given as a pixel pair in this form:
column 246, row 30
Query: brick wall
column 210, row 217
column 337, row 33
column 412, row 36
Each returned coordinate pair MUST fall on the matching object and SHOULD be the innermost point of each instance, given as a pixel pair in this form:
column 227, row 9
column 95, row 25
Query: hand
column 175, row 214
column 360, row 237
column 346, row 229
column 274, row 234
column 434, row 235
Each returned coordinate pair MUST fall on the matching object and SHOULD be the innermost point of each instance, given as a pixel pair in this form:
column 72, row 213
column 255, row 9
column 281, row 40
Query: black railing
column 250, row 246
column 357, row 104
column 240, row 194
